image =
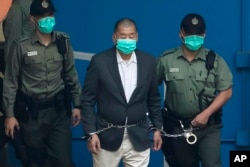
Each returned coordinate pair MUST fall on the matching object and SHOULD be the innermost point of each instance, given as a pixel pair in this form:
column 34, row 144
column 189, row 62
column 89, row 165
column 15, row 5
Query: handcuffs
column 188, row 134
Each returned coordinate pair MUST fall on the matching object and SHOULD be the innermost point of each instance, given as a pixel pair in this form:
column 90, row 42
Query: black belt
column 51, row 102
column 47, row 104
column 176, row 118
column 185, row 121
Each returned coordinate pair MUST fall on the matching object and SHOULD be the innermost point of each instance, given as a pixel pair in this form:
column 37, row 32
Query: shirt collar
column 131, row 60
column 201, row 54
column 34, row 37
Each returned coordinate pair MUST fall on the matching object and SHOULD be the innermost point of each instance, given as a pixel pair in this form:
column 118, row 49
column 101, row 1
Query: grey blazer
column 104, row 101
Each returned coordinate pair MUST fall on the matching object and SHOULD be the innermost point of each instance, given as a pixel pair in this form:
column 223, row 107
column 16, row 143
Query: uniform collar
column 34, row 37
column 201, row 54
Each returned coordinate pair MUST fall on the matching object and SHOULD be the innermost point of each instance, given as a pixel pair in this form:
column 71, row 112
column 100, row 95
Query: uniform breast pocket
column 57, row 62
column 58, row 58
column 206, row 82
column 175, row 82
column 204, row 78
column 29, row 60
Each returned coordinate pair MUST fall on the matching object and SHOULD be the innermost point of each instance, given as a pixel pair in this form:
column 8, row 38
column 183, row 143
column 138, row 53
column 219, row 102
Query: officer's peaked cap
column 193, row 24
column 41, row 7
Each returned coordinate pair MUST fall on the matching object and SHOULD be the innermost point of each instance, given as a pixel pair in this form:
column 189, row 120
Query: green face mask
column 194, row 42
column 46, row 24
column 126, row 46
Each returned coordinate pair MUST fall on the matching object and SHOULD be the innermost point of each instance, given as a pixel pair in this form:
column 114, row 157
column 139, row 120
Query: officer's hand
column 76, row 117
column 94, row 145
column 200, row 120
column 10, row 125
column 157, row 141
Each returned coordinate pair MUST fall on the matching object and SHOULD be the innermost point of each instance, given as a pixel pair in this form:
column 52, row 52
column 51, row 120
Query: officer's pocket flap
column 175, row 76
column 58, row 57
column 33, row 59
column 203, row 78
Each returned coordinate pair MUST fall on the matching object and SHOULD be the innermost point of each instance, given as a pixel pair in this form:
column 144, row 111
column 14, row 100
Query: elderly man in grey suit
column 122, row 83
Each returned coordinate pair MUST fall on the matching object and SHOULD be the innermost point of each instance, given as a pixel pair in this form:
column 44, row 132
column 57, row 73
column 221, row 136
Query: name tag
column 174, row 70
column 32, row 53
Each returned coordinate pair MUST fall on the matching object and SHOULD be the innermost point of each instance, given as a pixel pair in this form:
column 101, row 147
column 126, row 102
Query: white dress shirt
column 128, row 73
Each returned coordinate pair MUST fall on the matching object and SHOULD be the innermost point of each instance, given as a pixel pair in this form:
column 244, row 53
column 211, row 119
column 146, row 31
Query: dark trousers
column 3, row 141
column 3, row 157
column 178, row 153
column 3, row 137
column 48, row 139
column 17, row 143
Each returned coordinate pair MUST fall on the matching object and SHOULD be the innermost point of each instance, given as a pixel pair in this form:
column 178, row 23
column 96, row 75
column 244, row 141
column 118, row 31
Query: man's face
column 44, row 23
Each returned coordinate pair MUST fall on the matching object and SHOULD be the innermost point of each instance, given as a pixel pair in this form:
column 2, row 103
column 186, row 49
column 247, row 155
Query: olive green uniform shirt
column 17, row 23
column 39, row 69
column 185, row 80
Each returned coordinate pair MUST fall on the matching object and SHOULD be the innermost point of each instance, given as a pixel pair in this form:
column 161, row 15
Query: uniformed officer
column 194, row 97
column 40, row 78
column 16, row 23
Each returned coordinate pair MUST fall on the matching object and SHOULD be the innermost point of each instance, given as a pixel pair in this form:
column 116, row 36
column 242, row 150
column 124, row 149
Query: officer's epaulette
column 21, row 38
column 167, row 52
column 206, row 50
column 62, row 33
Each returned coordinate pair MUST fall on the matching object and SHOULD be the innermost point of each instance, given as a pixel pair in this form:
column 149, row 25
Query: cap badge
column 45, row 4
column 195, row 21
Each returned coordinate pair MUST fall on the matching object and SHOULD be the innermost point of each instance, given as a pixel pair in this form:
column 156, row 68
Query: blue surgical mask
column 194, row 42
column 46, row 25
column 126, row 46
